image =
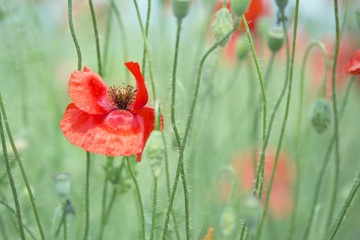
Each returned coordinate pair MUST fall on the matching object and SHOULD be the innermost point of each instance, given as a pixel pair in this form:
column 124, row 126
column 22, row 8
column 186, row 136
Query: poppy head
column 353, row 66
column 113, row 121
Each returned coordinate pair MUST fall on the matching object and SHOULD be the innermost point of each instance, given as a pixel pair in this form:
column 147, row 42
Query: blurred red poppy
column 353, row 66
column 108, row 120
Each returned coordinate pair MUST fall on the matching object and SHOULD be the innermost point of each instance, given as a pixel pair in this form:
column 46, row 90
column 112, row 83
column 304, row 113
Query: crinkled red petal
column 88, row 92
column 141, row 91
column 119, row 133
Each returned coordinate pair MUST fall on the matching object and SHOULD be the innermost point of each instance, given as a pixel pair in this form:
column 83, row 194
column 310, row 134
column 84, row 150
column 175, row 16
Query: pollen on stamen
column 122, row 97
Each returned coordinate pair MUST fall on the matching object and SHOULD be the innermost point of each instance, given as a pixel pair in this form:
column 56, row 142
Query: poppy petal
column 119, row 133
column 353, row 66
column 141, row 91
column 88, row 92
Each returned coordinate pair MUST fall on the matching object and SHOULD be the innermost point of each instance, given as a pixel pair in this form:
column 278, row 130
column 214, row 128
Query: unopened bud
column 321, row 115
column 62, row 184
column 282, row 4
column 154, row 151
column 222, row 25
column 275, row 39
column 228, row 221
column 242, row 48
column 180, row 8
column 240, row 6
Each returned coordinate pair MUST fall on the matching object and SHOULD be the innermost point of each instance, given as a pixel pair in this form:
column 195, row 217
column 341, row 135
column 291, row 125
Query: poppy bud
column 251, row 212
column 321, row 115
column 282, row 4
column 228, row 221
column 154, row 151
column 275, row 39
column 62, row 184
column 210, row 234
column 180, row 8
column 223, row 24
column 242, row 48
column 240, row 6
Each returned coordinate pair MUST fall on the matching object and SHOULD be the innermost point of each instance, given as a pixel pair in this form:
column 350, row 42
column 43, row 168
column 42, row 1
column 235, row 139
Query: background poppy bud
column 282, row 4
column 275, row 39
column 180, row 8
column 242, row 48
column 62, row 184
column 321, row 115
column 154, row 151
column 251, row 212
column 228, row 221
column 240, row 6
column 223, row 24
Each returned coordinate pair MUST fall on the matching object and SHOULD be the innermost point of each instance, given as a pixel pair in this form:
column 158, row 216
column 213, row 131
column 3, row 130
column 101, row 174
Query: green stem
column 336, row 125
column 146, row 47
column 187, row 129
column 153, row 220
column 257, row 65
column 298, row 127
column 269, row 69
column 65, row 228
column 103, row 207
column 98, row 54
column 22, row 170
column 324, row 164
column 3, row 229
column 111, row 203
column 344, row 209
column 243, row 232
column 290, row 77
column 147, row 24
column 138, row 195
column 11, row 180
column 73, row 35
column 87, row 200
column 107, row 35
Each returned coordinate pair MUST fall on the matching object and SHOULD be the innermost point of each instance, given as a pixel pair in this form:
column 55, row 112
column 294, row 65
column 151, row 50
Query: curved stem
column 290, row 77
column 147, row 23
column 11, row 181
column 340, row 218
column 22, row 170
column 138, row 195
column 87, row 200
column 98, row 54
column 325, row 163
column 187, row 129
column 146, row 48
column 298, row 126
column 336, row 125
column 153, row 219
column 73, row 35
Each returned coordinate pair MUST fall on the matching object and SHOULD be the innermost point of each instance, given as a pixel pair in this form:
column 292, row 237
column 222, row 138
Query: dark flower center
column 122, row 97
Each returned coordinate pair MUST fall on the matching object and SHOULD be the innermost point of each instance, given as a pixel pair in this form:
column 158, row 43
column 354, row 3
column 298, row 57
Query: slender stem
column 111, row 203
column 73, row 35
column 166, row 159
column 98, row 54
column 298, row 126
column 336, row 125
column 290, row 76
column 257, row 65
column 344, row 209
column 65, row 228
column 187, row 129
column 146, row 47
column 147, row 24
column 103, row 207
column 11, row 180
column 87, row 200
column 243, row 232
column 153, row 220
column 107, row 35
column 3, row 229
column 325, row 163
column 22, row 170
column 138, row 194
column 269, row 69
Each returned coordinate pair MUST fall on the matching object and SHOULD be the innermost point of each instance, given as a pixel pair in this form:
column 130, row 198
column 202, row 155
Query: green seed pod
column 154, row 152
column 282, row 4
column 228, row 221
column 242, row 48
column 240, row 6
column 321, row 115
column 222, row 25
column 62, row 184
column 275, row 39
column 180, row 8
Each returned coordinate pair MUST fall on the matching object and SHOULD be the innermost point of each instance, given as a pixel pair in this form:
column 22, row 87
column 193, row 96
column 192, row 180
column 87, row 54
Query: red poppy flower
column 113, row 121
column 353, row 66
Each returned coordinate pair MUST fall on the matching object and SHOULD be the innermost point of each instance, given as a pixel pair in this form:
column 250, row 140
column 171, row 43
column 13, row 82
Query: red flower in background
column 353, row 66
column 108, row 120
column 280, row 199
